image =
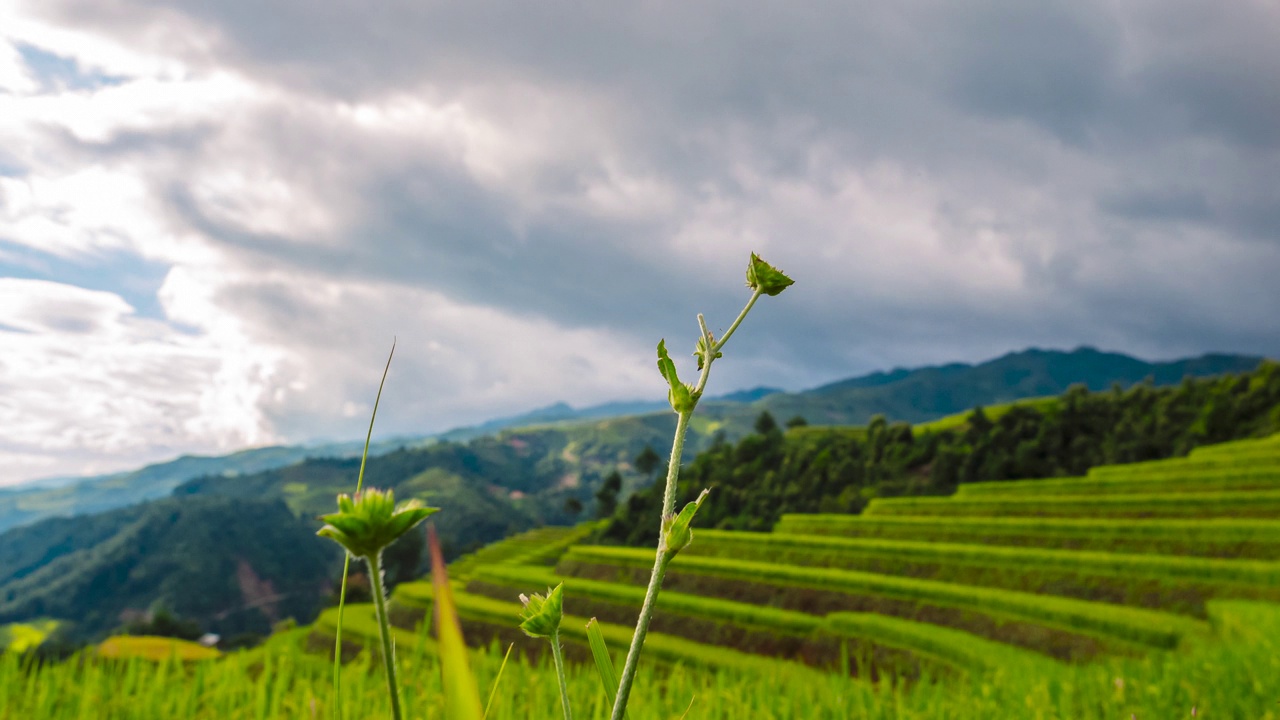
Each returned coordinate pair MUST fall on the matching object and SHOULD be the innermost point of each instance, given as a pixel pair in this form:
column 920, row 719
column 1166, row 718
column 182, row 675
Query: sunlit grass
column 1232, row 677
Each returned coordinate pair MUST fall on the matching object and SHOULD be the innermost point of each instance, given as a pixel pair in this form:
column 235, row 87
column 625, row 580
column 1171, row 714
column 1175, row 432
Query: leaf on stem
column 493, row 693
column 766, row 278
column 604, row 662
column 681, row 396
column 461, row 694
column 677, row 533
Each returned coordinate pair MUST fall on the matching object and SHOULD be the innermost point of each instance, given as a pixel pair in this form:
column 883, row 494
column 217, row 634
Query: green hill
column 939, row 598
column 232, row 565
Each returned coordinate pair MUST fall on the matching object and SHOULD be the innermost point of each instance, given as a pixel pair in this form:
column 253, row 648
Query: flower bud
column 541, row 615
column 766, row 278
column 366, row 524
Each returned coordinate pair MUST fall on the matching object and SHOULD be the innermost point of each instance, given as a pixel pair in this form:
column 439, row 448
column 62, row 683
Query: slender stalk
column 346, row 557
column 661, row 558
column 729, row 333
column 558, row 655
column 659, row 569
column 384, row 631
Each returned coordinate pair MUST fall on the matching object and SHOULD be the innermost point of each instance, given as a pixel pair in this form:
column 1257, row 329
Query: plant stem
column 668, row 510
column 728, row 333
column 659, row 569
column 384, row 631
column 558, row 655
column 346, row 557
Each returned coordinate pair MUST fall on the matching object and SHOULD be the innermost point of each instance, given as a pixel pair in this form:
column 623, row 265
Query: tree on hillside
column 402, row 558
column 765, row 424
column 607, row 496
column 647, row 461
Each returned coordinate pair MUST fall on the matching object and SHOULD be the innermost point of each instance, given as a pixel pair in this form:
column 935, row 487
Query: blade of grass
column 346, row 560
column 461, row 694
column 604, row 662
column 497, row 680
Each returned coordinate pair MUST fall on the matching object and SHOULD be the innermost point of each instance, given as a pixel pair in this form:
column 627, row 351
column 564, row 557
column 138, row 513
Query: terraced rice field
column 1129, row 561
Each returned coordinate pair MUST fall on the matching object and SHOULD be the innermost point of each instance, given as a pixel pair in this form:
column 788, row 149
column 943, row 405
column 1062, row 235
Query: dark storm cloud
column 1127, row 156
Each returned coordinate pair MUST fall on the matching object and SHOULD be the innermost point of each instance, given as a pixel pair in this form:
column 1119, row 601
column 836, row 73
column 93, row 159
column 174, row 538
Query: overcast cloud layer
column 214, row 217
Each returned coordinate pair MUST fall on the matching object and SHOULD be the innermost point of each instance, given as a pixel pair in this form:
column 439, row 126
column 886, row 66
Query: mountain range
column 495, row 479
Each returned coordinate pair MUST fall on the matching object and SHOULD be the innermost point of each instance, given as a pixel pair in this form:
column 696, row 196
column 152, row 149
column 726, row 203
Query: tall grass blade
column 498, row 680
column 346, row 560
column 604, row 663
column 461, row 694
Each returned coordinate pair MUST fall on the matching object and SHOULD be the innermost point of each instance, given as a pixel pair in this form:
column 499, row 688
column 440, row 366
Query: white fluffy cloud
column 214, row 216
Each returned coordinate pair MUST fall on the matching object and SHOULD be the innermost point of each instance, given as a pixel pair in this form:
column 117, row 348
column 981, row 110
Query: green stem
column 729, row 333
column 384, row 631
column 662, row 558
column 346, row 558
column 659, row 568
column 558, row 655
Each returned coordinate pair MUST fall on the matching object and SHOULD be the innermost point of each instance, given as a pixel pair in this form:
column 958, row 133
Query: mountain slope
column 233, row 565
column 932, row 392
column 26, row 504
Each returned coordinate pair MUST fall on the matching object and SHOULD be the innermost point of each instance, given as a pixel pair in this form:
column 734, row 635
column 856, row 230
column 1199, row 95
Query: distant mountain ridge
column 911, row 395
column 928, row 393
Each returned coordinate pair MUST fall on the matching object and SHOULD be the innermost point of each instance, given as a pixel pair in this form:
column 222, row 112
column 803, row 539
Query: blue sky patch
column 57, row 72
column 125, row 274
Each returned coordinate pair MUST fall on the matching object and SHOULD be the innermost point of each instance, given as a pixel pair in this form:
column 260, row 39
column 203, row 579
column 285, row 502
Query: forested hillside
column 834, row 470
column 231, row 565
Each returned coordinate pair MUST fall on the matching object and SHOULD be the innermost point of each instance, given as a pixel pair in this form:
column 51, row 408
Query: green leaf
column 765, row 277
column 493, row 692
column 604, row 662
column 677, row 533
column 461, row 693
column 681, row 396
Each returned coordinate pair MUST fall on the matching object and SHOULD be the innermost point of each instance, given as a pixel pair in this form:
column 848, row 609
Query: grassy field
column 129, row 647
column 20, row 637
column 1135, row 592
column 1232, row 677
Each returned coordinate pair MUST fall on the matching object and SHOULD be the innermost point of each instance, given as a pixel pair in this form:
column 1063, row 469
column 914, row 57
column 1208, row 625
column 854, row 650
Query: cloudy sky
column 215, row 216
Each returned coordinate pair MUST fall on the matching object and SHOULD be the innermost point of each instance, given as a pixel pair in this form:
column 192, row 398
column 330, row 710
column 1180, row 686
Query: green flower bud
column 676, row 531
column 765, row 277
column 701, row 352
column 371, row 521
column 541, row 615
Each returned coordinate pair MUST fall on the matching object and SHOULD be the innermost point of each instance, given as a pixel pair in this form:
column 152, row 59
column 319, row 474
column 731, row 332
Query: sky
column 216, row 217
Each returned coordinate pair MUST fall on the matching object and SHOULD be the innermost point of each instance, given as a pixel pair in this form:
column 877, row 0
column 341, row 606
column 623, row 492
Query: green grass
column 501, row 614
column 1252, row 446
column 538, row 546
column 1232, row 678
column 361, row 626
column 953, row 647
column 826, row 551
column 960, row 420
column 1210, row 481
column 155, row 649
column 1252, row 504
column 742, row 614
column 1175, row 584
column 959, row 650
column 1223, row 537
column 1108, row 622
column 21, row 637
